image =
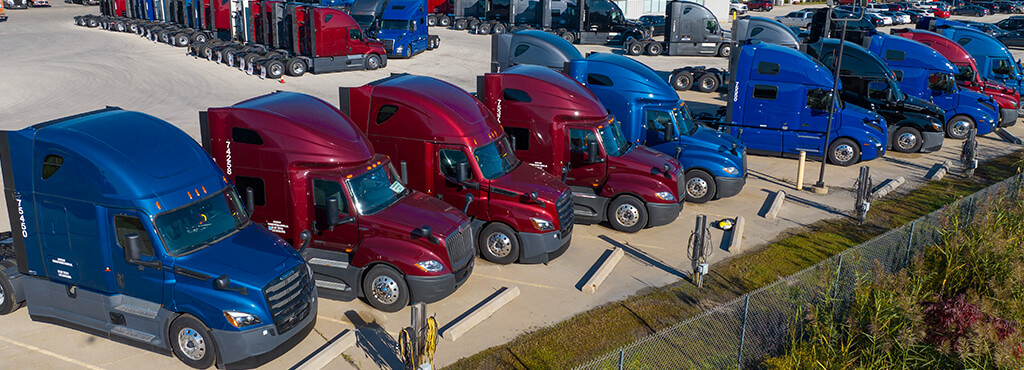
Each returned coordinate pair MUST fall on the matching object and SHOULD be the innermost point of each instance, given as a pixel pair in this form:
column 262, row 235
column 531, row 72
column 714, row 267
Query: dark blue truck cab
column 924, row 73
column 403, row 29
column 644, row 104
column 125, row 228
column 780, row 106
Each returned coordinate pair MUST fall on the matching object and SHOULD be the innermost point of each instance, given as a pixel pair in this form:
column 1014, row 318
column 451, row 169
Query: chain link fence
column 747, row 330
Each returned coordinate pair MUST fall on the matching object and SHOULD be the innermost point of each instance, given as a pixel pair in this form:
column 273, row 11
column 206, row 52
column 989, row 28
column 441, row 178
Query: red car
column 762, row 5
column 941, row 13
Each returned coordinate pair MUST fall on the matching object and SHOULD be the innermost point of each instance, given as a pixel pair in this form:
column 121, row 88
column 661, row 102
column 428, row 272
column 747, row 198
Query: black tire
column 431, row 20
column 372, row 62
column 700, row 186
column 483, row 28
column 681, row 81
column 92, row 23
column 251, row 58
column 568, row 36
column 275, row 68
column 206, row 51
column 295, row 67
column 7, row 304
column 959, row 127
column 229, row 54
column 460, row 24
column 654, row 48
column 181, row 39
column 200, row 37
column 725, row 50
column 627, row 214
column 843, row 152
column 385, row 289
column 634, row 48
column 708, row 82
column 444, row 21
column 907, row 140
column 498, row 243
column 472, row 24
column 499, row 28
column 198, row 349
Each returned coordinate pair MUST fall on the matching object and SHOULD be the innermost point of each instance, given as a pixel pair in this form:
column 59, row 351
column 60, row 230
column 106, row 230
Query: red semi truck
column 452, row 146
column 302, row 165
column 559, row 126
column 968, row 77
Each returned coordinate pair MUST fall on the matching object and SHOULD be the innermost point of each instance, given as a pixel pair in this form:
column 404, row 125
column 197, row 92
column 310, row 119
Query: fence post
column 910, row 242
column 839, row 268
column 622, row 355
column 743, row 331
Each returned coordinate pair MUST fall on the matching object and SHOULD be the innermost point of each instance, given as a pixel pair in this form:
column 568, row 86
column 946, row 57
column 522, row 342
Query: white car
column 736, row 7
column 799, row 18
column 886, row 20
column 876, row 8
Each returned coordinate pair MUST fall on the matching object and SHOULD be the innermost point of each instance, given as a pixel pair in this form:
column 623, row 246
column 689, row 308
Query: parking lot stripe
column 517, row 281
column 336, row 321
column 48, row 353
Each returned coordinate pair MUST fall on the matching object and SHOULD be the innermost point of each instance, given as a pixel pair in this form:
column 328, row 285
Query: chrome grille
column 565, row 213
column 288, row 298
column 389, row 45
column 681, row 185
column 460, row 247
column 744, row 154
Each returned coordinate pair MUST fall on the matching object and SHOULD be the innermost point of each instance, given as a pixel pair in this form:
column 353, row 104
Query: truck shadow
column 375, row 342
column 642, row 257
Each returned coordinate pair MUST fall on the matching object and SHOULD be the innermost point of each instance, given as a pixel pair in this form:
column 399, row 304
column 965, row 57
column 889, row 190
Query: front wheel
column 725, row 50
column 700, row 186
column 907, row 140
column 385, row 289
column 627, row 214
column 682, row 80
column 7, row 304
column 843, row 152
column 959, row 127
column 372, row 62
column 499, row 244
column 568, row 36
column 192, row 342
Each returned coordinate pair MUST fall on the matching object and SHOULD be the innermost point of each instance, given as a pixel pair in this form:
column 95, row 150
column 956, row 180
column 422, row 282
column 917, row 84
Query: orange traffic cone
column 282, row 80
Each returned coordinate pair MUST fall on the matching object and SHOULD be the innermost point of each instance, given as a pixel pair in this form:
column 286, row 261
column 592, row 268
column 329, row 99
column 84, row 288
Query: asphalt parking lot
column 53, row 69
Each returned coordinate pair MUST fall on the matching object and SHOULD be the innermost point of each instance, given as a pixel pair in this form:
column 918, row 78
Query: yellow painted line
column 336, row 321
column 517, row 281
column 51, row 354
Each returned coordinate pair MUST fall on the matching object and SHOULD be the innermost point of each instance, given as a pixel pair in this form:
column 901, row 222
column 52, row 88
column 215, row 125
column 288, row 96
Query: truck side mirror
column 305, row 236
column 222, row 282
column 462, row 172
column 424, row 232
column 133, row 251
column 332, row 211
column 250, row 199
column 593, row 152
column 469, row 200
column 670, row 132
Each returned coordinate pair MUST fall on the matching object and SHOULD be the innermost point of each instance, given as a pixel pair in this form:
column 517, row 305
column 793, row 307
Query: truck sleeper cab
column 915, row 124
column 454, row 149
column 924, row 73
column 781, row 106
column 558, row 126
column 967, row 75
column 130, row 231
column 690, row 29
column 994, row 60
column 303, row 165
column 403, row 29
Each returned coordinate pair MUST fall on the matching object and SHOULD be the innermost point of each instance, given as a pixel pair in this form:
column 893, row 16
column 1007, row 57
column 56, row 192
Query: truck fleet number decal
column 227, row 157
column 21, row 216
column 277, row 227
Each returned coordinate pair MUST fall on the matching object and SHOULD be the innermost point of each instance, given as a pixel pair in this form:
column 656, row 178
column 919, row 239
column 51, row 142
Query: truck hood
column 854, row 114
column 415, row 211
column 252, row 257
column 993, row 86
column 713, row 140
column 391, row 34
column 524, row 179
column 642, row 159
column 922, row 106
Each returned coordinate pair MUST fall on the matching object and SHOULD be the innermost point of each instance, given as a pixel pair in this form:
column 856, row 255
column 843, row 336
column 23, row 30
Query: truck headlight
column 666, row 196
column 398, row 50
column 241, row 319
column 874, row 141
column 430, row 266
column 542, row 224
column 937, row 126
column 731, row 170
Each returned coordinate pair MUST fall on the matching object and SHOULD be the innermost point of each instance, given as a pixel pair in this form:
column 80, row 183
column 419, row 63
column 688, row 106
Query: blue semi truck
column 125, row 228
column 403, row 29
column 649, row 110
column 995, row 62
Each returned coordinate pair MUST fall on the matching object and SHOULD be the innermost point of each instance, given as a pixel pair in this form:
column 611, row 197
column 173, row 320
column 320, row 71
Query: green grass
column 594, row 333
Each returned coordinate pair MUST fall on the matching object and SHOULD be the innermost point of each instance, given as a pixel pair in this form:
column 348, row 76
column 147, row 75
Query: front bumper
column 662, row 213
column 542, row 247
column 429, row 289
column 729, row 186
column 255, row 347
column 932, row 141
column 1007, row 117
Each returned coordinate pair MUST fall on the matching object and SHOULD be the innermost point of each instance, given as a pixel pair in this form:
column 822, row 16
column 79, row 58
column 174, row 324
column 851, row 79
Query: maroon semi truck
column 559, row 126
column 450, row 145
column 302, row 165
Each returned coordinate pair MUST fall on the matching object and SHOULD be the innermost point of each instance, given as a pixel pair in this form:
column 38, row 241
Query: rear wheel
column 568, row 36
column 959, row 127
column 499, row 28
column 444, row 21
column 483, row 28
column 385, row 289
column 499, row 244
column 654, row 48
column 634, row 48
column 627, row 214
column 274, row 68
column 201, row 37
column 92, row 23
column 473, row 24
column 372, row 62
column 843, row 152
column 460, row 24
column 192, row 342
column 907, row 140
column 682, row 80
column 431, row 20
column 700, row 186
column 295, row 67
column 707, row 82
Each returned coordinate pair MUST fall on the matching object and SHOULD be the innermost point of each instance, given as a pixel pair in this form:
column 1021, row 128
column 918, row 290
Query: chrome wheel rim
column 627, row 215
column 960, row 128
column 385, row 290
column 906, row 140
column 192, row 344
column 706, row 83
column 297, row 68
column 844, row 153
column 3, row 297
column 499, row 244
column 726, row 51
column 276, row 70
column 696, row 187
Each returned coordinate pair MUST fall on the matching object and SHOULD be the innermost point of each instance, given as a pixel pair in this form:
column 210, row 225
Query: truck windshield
column 206, row 221
column 495, row 159
column 376, row 190
column 684, row 122
column 397, row 24
column 615, row 143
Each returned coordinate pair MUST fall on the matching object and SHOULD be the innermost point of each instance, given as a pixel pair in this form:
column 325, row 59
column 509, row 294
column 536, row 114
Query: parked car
column 988, row 28
column 654, row 22
column 897, row 17
column 1015, row 38
column 972, row 10
column 915, row 14
column 874, row 19
column 762, row 5
column 16, row 4
column 990, row 6
column 1009, row 7
column 737, row 8
column 39, row 3
column 799, row 18
column 1013, row 23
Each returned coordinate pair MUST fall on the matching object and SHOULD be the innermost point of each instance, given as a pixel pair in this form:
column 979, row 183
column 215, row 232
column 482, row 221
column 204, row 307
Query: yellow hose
column 431, row 340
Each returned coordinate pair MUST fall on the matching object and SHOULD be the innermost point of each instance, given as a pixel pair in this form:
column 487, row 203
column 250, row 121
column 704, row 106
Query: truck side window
column 246, row 136
column 1001, row 66
column 517, row 95
column 385, row 113
column 327, row 18
column 520, row 50
column 51, row 164
column 520, row 137
column 258, row 189
column 448, row 158
column 711, row 25
column 355, row 34
column 324, row 190
column 579, row 139
column 895, row 55
column 125, row 225
column 599, row 79
column 768, row 68
column 657, row 120
column 766, row 92
column 965, row 73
